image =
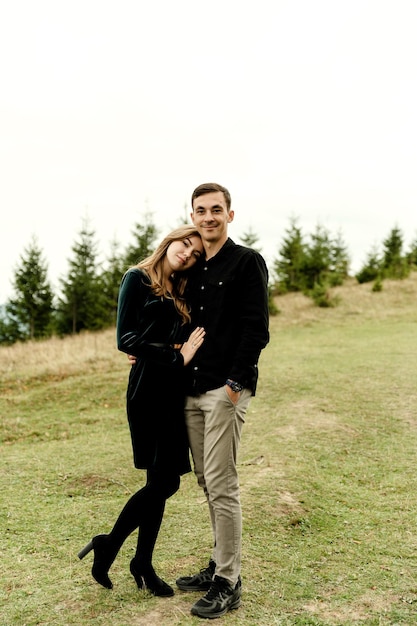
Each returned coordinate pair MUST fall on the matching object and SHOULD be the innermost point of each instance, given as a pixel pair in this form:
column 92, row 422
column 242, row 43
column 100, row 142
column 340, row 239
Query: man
column 228, row 294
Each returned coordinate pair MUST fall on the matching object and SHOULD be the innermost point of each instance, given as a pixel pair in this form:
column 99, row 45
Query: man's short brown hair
column 201, row 190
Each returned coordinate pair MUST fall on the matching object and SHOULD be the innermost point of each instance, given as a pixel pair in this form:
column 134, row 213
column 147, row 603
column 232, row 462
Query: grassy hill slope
column 327, row 468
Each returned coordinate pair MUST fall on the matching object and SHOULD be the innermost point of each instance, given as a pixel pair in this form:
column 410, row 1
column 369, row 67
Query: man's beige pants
column 214, row 427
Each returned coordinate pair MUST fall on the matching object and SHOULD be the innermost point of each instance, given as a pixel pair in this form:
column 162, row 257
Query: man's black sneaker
column 220, row 598
column 198, row 582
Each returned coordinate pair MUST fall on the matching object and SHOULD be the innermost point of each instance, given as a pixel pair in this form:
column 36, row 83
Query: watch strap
column 234, row 386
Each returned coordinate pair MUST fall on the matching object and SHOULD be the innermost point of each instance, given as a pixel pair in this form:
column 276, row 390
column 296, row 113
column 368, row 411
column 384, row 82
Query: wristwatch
column 234, row 386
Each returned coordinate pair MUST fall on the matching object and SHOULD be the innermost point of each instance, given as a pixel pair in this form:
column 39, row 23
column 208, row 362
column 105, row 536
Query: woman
column 151, row 315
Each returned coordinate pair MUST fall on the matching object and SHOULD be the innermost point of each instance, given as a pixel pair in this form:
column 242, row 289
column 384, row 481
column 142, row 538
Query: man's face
column 210, row 216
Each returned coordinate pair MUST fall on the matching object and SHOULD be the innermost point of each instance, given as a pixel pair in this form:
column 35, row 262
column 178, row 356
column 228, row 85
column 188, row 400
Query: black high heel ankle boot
column 147, row 579
column 104, row 555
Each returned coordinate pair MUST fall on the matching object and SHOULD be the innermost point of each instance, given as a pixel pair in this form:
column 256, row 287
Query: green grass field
column 327, row 467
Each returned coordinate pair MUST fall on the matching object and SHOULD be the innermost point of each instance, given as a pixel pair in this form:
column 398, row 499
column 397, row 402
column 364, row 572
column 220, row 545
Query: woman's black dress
column 147, row 327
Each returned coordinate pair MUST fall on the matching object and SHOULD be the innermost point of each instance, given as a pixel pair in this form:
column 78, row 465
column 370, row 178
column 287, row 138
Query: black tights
column 145, row 510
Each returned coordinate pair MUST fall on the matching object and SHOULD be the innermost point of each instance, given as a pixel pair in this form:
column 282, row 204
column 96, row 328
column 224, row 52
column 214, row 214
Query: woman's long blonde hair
column 153, row 266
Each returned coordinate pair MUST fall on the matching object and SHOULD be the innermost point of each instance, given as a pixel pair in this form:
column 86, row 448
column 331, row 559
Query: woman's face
column 183, row 254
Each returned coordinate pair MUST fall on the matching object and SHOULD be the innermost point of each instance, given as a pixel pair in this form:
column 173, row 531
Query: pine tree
column 10, row 329
column 110, row 279
column 317, row 258
column 288, row 266
column 250, row 239
column 82, row 303
column 144, row 235
column 394, row 264
column 339, row 261
column 412, row 254
column 30, row 311
column 371, row 269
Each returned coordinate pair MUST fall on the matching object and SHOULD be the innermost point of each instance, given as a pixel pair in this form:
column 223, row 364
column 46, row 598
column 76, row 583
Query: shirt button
column 201, row 308
column 195, row 368
column 202, row 287
column 206, row 268
column 220, row 282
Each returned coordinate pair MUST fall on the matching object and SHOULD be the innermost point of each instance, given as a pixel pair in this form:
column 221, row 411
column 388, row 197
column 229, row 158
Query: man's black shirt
column 228, row 295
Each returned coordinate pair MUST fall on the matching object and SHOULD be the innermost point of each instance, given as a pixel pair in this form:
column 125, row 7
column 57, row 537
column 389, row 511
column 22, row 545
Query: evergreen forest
column 86, row 299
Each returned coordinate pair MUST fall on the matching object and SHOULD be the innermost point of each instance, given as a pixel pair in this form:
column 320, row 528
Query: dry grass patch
column 396, row 298
column 57, row 358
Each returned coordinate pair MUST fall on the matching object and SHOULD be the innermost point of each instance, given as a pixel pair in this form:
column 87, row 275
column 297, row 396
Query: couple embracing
column 193, row 318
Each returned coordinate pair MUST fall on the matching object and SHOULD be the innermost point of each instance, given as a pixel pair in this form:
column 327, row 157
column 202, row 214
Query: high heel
column 104, row 555
column 147, row 579
column 82, row 553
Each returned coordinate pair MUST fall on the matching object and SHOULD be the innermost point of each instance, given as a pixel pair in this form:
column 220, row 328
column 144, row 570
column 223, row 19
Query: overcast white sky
column 301, row 108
